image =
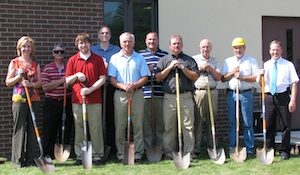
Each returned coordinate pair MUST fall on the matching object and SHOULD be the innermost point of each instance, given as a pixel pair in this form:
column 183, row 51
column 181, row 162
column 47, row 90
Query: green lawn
column 201, row 165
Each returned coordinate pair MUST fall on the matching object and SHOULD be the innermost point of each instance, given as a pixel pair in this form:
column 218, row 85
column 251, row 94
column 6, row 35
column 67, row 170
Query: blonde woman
column 23, row 70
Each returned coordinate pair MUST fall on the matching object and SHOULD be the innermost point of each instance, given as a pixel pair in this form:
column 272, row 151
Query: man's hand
column 81, row 77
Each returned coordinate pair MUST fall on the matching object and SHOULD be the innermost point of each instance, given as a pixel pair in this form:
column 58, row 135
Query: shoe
column 191, row 159
column 98, row 162
column 168, row 157
column 285, row 157
column 140, row 161
column 78, row 162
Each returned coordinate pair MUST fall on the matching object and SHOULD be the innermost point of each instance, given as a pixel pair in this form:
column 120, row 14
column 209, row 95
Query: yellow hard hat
column 238, row 42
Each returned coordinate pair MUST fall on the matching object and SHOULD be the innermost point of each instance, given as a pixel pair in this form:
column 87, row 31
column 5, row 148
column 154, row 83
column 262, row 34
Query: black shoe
column 140, row 161
column 285, row 157
column 98, row 162
column 168, row 157
column 78, row 162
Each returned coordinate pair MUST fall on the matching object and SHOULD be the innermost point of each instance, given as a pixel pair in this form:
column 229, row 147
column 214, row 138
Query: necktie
column 274, row 79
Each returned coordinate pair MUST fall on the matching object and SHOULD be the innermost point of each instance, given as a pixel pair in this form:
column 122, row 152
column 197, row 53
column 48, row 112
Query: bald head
column 205, row 48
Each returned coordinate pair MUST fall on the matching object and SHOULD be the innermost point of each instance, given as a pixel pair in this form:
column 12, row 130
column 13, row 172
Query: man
column 208, row 66
column 86, row 73
column 240, row 70
column 105, row 49
column 128, row 72
column 54, row 83
column 152, row 54
column 279, row 102
column 188, row 73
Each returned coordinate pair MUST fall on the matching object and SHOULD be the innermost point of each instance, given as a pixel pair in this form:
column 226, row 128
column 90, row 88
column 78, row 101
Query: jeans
column 246, row 106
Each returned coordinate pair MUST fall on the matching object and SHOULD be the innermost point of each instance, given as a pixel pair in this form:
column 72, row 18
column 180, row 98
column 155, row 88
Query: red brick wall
column 47, row 22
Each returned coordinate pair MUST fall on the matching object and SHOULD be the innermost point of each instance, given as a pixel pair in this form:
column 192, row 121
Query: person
column 188, row 73
column 128, row 72
column 278, row 100
column 53, row 84
column 208, row 66
column 86, row 73
column 24, row 71
column 240, row 71
column 152, row 54
column 105, row 49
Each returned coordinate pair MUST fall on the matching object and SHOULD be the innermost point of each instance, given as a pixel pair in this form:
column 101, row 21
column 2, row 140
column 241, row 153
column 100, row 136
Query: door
column 287, row 31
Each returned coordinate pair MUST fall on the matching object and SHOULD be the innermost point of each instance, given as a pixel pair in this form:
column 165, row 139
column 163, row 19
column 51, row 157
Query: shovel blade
column 265, row 156
column 180, row 161
column 61, row 152
column 128, row 153
column 217, row 156
column 45, row 164
column 238, row 155
column 86, row 149
column 154, row 153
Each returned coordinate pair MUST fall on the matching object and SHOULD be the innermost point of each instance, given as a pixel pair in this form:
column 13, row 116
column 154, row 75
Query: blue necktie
column 274, row 79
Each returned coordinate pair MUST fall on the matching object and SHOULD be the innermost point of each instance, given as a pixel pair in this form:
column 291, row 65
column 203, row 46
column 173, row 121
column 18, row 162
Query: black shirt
column 169, row 83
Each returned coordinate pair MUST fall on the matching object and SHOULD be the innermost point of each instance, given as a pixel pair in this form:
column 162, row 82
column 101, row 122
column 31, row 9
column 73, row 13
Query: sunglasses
column 59, row 51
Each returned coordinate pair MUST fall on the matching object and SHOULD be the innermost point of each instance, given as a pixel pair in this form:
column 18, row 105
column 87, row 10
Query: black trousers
column 277, row 108
column 52, row 120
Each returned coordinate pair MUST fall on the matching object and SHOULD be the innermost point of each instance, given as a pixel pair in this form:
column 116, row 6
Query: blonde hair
column 21, row 43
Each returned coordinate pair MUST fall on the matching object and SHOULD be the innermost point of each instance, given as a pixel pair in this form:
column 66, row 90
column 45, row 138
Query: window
column 136, row 16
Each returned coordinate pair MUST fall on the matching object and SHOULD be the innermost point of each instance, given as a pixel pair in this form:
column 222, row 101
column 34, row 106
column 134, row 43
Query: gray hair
column 59, row 45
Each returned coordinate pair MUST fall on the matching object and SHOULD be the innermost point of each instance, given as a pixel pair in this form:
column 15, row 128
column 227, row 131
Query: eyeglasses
column 59, row 51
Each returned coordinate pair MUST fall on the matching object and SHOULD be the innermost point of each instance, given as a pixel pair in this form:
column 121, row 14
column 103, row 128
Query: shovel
column 180, row 160
column 127, row 146
column 62, row 151
column 153, row 152
column 238, row 154
column 264, row 155
column 44, row 163
column 86, row 146
column 107, row 148
column 216, row 156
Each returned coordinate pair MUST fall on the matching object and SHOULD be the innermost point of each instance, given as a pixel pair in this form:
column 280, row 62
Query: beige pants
column 170, row 121
column 137, row 116
column 94, row 118
column 202, row 115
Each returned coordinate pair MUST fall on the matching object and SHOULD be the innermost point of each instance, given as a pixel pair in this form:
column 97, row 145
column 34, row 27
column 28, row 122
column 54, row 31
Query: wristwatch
column 183, row 67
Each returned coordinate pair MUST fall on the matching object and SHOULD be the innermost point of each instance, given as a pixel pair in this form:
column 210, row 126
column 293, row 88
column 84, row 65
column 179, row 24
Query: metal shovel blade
column 128, row 153
column 154, row 153
column 238, row 155
column 180, row 161
column 217, row 156
column 61, row 152
column 45, row 164
column 265, row 156
column 86, row 149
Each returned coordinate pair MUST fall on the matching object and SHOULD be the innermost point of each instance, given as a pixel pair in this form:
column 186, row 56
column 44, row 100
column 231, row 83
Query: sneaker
column 78, row 162
column 98, row 162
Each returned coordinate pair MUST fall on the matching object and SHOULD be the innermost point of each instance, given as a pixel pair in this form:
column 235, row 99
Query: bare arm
column 96, row 85
column 11, row 79
column 53, row 84
column 229, row 75
column 292, row 103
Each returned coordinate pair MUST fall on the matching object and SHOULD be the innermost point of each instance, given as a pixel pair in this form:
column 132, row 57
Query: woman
column 24, row 71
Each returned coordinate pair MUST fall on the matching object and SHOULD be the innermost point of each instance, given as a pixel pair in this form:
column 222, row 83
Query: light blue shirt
column 128, row 69
column 105, row 54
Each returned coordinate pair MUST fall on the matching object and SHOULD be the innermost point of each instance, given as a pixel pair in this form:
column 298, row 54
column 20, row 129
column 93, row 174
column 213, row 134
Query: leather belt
column 240, row 91
column 205, row 88
column 276, row 94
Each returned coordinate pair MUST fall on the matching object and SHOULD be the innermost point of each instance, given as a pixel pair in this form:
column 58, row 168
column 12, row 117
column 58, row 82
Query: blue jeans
column 246, row 106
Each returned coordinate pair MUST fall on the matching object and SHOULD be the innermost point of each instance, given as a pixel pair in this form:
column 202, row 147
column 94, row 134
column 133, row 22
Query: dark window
column 289, row 44
column 136, row 16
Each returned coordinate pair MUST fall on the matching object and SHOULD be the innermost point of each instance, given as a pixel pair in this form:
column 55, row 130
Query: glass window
column 136, row 16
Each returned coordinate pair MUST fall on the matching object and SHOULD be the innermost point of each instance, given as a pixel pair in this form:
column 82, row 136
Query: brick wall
column 47, row 22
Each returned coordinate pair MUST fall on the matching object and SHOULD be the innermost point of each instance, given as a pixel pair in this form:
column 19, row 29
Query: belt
column 240, row 91
column 276, row 94
column 124, row 90
column 205, row 88
column 57, row 100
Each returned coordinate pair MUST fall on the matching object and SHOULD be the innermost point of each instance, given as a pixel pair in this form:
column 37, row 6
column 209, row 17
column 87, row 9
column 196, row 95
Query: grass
column 201, row 165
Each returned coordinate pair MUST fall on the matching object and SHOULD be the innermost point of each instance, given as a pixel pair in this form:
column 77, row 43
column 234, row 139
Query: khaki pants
column 202, row 115
column 137, row 116
column 159, row 122
column 94, row 118
column 170, row 121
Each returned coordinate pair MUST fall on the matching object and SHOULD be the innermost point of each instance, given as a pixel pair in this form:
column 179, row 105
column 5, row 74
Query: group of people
column 111, row 75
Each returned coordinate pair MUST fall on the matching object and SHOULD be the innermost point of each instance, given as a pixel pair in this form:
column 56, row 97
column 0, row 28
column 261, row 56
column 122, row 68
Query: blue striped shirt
column 152, row 58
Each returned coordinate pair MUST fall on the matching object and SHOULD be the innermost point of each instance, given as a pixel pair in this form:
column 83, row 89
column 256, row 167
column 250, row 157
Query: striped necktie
column 274, row 79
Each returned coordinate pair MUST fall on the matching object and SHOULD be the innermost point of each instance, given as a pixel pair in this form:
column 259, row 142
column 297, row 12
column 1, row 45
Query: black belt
column 240, row 91
column 57, row 100
column 205, row 88
column 276, row 94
